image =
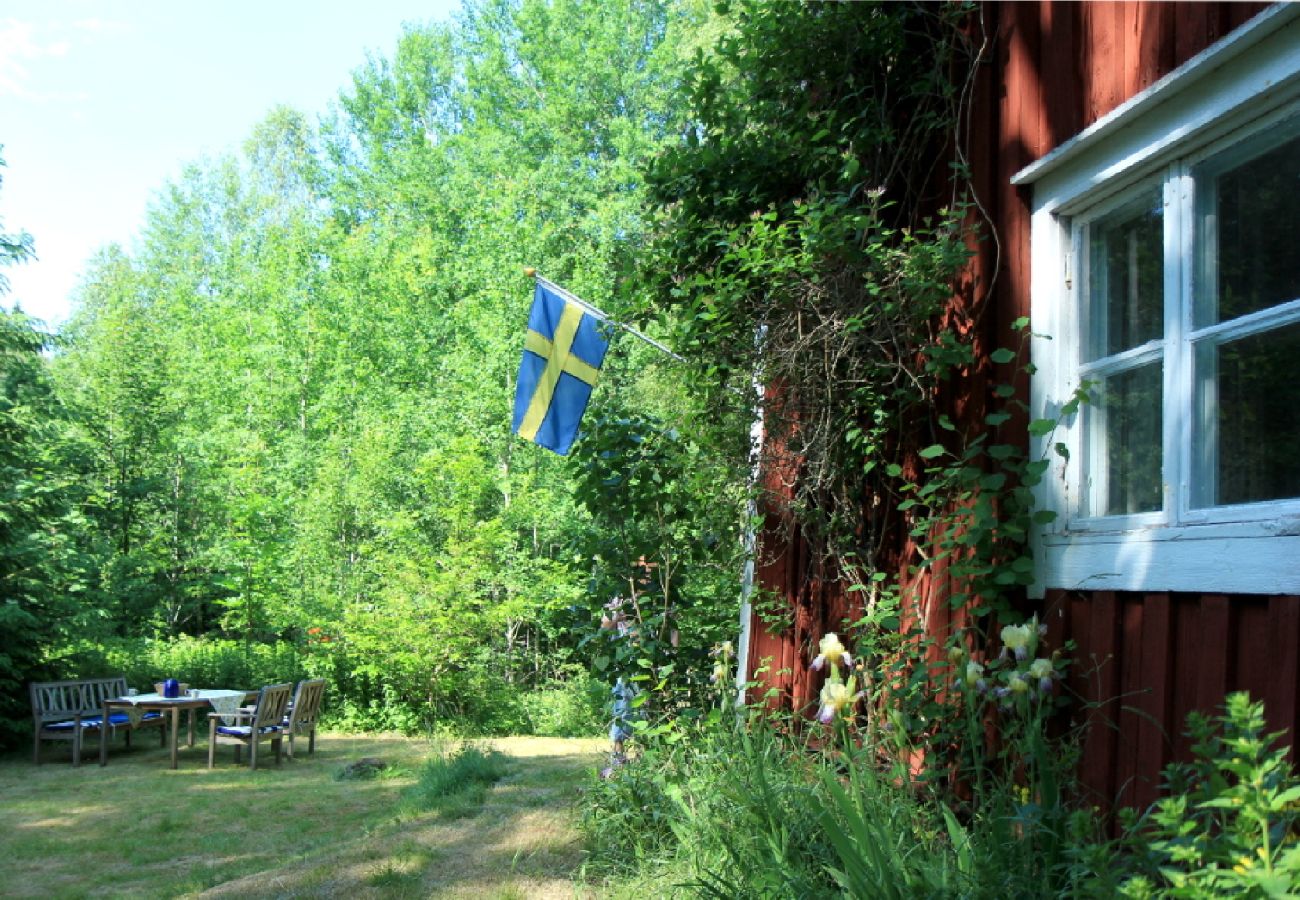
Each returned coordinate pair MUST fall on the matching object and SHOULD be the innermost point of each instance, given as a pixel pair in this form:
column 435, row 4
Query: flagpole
column 601, row 314
column 756, row 444
column 756, row 435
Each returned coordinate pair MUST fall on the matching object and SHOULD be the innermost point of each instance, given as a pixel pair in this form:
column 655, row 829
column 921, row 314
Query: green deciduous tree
column 297, row 388
column 42, row 581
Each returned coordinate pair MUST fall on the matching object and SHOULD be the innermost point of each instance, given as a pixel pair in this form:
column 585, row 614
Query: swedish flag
column 562, row 356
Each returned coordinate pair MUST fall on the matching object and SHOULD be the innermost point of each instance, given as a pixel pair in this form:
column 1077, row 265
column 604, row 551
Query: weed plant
column 455, row 784
column 1226, row 826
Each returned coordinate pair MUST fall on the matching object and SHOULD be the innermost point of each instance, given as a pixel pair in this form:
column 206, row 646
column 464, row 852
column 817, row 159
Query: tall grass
column 745, row 810
column 733, row 808
column 454, row 784
column 742, row 809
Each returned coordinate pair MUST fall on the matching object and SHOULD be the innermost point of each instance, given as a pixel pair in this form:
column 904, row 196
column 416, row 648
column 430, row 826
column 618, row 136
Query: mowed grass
column 138, row 829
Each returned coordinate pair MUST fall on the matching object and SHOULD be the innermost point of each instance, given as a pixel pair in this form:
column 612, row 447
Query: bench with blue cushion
column 68, row 710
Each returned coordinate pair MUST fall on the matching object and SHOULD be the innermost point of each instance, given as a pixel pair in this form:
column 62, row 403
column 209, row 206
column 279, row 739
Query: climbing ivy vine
column 810, row 238
column 813, row 225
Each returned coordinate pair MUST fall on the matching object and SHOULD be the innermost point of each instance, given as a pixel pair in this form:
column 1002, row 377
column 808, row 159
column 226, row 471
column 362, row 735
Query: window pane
column 1129, row 416
column 1126, row 277
column 1251, row 409
column 1250, row 225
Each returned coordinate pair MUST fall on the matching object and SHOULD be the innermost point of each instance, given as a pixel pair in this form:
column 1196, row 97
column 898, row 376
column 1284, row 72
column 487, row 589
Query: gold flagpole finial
column 530, row 271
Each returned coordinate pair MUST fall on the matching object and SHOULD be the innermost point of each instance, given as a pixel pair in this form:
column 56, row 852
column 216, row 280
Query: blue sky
column 104, row 101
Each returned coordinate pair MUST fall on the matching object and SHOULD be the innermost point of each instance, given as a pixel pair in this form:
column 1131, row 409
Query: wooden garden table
column 223, row 702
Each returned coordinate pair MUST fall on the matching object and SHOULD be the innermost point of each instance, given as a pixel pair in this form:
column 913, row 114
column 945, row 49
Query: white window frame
column 1247, row 82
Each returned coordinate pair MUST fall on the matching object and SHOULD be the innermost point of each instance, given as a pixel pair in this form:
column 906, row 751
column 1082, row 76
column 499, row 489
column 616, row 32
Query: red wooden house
column 1141, row 164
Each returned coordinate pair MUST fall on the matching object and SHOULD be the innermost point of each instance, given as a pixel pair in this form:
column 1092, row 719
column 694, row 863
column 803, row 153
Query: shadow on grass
column 138, row 827
column 520, row 842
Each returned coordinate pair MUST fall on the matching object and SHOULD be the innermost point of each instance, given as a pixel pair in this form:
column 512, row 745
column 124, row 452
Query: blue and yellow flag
column 562, row 357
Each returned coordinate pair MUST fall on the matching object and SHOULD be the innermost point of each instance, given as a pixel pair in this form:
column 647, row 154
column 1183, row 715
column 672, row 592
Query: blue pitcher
column 171, row 688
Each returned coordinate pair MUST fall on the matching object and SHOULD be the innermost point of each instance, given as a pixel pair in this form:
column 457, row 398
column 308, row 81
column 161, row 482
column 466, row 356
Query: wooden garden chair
column 304, row 711
column 264, row 723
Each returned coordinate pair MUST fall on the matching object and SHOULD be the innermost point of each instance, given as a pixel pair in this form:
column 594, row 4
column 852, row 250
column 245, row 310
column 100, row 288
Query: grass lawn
column 139, row 829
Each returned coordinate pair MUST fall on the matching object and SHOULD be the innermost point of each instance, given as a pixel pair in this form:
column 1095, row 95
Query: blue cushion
column 88, row 722
column 114, row 719
column 243, row 730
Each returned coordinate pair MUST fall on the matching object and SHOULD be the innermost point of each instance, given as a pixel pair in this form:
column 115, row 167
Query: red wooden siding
column 1147, row 660
column 1143, row 660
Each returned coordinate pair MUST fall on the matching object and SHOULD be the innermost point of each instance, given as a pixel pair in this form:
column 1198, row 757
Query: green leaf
column 1281, row 800
column 932, row 451
column 1002, row 355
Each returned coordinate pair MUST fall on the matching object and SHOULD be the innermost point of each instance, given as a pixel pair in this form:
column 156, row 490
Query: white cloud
column 17, row 46
column 22, row 43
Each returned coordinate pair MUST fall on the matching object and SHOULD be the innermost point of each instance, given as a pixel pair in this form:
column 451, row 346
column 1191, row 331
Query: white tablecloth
column 224, row 703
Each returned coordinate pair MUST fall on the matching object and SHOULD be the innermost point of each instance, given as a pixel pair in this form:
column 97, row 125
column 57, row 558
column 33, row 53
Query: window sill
column 1246, row 557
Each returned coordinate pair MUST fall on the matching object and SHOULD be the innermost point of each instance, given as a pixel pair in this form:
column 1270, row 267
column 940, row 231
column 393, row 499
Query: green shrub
column 570, row 708
column 1227, row 824
column 473, row 702
column 203, row 662
column 382, row 713
column 752, row 818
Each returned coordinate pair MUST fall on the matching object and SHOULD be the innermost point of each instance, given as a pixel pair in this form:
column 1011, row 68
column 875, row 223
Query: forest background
column 273, row 440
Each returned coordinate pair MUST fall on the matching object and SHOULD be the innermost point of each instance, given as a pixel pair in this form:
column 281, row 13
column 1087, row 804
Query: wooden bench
column 67, row 710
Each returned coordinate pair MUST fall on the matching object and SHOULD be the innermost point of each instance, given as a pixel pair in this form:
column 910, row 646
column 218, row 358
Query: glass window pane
column 1248, row 394
column 1248, row 232
column 1126, row 278
column 1128, row 425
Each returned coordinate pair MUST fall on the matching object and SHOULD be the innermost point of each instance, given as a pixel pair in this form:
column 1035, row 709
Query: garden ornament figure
column 621, row 728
